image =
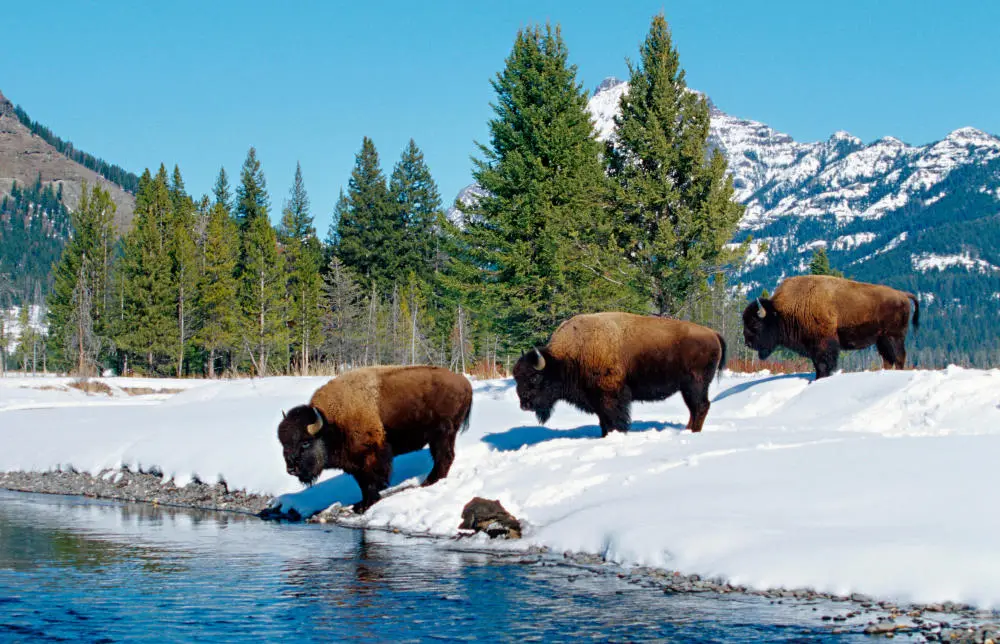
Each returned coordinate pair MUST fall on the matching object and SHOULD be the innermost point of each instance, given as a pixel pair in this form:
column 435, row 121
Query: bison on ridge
column 359, row 421
column 601, row 362
column 817, row 316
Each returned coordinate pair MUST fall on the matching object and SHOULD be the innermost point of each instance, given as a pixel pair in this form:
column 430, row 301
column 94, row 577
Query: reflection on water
column 94, row 571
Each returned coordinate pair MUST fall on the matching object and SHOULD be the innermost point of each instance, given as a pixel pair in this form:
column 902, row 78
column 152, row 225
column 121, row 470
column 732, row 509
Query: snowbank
column 880, row 483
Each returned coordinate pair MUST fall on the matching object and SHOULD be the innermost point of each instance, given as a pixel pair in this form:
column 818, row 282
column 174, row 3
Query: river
column 84, row 570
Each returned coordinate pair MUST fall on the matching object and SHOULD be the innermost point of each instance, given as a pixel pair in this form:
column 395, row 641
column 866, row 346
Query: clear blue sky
column 197, row 83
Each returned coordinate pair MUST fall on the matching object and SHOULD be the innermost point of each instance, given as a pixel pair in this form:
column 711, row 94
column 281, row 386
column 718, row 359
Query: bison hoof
column 361, row 507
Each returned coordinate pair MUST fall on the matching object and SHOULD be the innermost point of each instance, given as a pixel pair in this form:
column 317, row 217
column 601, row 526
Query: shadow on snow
column 740, row 388
column 517, row 437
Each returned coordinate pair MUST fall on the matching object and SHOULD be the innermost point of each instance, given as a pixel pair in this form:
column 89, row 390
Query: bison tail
column 916, row 310
column 722, row 358
column 468, row 418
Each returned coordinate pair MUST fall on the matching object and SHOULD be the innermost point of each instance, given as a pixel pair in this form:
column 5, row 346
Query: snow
column 12, row 323
column 925, row 262
column 866, row 482
column 849, row 242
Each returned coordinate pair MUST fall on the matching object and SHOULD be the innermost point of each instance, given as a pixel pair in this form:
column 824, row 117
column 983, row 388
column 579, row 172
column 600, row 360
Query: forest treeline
column 566, row 225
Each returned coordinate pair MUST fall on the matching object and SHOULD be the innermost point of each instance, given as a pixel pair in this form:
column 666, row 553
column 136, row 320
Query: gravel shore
column 946, row 622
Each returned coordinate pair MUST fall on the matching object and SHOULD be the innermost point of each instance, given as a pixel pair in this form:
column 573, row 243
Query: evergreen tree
column 251, row 195
column 332, row 242
column 368, row 241
column 184, row 264
column 415, row 197
column 820, row 264
column 260, row 269
column 84, row 268
column 673, row 202
column 223, row 194
column 303, row 255
column 216, row 291
column 343, row 314
column 538, row 237
column 6, row 299
column 148, row 324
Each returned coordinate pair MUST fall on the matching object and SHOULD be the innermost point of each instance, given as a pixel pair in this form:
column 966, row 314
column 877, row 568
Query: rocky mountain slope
column 24, row 156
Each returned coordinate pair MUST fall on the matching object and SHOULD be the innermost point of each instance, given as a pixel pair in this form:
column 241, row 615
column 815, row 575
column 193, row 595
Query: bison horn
column 760, row 309
column 283, row 415
column 540, row 363
column 314, row 428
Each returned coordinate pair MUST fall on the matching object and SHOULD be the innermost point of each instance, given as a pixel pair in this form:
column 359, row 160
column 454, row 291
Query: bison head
column 537, row 383
column 304, row 450
column 760, row 327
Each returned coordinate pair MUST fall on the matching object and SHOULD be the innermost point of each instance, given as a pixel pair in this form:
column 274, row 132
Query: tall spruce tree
column 369, row 241
column 303, row 255
column 217, row 292
column 673, row 201
column 539, row 237
column 184, row 262
column 222, row 192
column 85, row 265
column 251, row 195
column 147, row 326
column 415, row 197
column 261, row 270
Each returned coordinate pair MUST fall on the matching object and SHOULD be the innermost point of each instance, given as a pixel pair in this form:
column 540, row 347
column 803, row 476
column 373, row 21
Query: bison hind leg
column 893, row 351
column 695, row 396
column 443, row 452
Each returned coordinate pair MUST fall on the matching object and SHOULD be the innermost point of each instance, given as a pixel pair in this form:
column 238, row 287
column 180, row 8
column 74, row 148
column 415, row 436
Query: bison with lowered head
column 818, row 315
column 601, row 362
column 359, row 421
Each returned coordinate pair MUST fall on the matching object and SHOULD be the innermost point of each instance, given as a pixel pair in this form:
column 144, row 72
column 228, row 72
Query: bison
column 359, row 421
column 601, row 362
column 818, row 315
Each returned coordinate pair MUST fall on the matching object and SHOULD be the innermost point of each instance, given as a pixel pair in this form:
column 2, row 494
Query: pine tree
column 303, row 255
column 344, row 311
column 539, row 238
column 223, row 194
column 6, row 300
column 415, row 197
column 84, row 268
column 366, row 242
column 820, row 264
column 184, row 264
column 216, row 291
column 672, row 201
column 147, row 326
column 251, row 195
column 260, row 269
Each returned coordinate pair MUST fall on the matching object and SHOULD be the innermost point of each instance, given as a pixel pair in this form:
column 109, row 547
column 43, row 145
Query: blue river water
column 73, row 569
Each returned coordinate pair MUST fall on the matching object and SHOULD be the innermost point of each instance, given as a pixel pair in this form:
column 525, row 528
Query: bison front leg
column 825, row 358
column 372, row 479
column 613, row 411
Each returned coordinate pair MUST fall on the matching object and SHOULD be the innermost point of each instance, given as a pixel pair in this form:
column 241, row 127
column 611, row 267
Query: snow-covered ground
column 880, row 483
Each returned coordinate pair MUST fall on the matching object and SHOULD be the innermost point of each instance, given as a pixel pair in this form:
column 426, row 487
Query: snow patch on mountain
column 850, row 242
column 924, row 262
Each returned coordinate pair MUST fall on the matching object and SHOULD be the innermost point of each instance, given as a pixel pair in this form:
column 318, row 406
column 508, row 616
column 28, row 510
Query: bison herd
column 599, row 363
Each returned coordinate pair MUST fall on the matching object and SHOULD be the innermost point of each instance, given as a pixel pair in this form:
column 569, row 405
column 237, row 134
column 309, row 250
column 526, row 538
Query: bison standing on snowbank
column 818, row 315
column 601, row 362
column 359, row 421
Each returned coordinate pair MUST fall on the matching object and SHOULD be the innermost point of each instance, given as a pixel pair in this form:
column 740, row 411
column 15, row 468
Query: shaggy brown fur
column 601, row 362
column 370, row 415
column 818, row 315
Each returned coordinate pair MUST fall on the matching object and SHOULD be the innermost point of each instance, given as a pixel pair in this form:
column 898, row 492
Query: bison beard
column 602, row 362
column 361, row 420
column 819, row 316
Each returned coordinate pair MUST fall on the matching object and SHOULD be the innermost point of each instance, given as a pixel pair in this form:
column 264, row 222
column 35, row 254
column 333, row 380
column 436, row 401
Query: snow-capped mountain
column 925, row 218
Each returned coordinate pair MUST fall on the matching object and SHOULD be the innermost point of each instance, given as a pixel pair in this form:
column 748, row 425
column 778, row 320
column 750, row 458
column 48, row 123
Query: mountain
column 922, row 218
column 25, row 155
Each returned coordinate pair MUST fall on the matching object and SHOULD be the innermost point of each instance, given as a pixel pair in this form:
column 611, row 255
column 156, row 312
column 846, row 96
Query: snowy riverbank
column 877, row 483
